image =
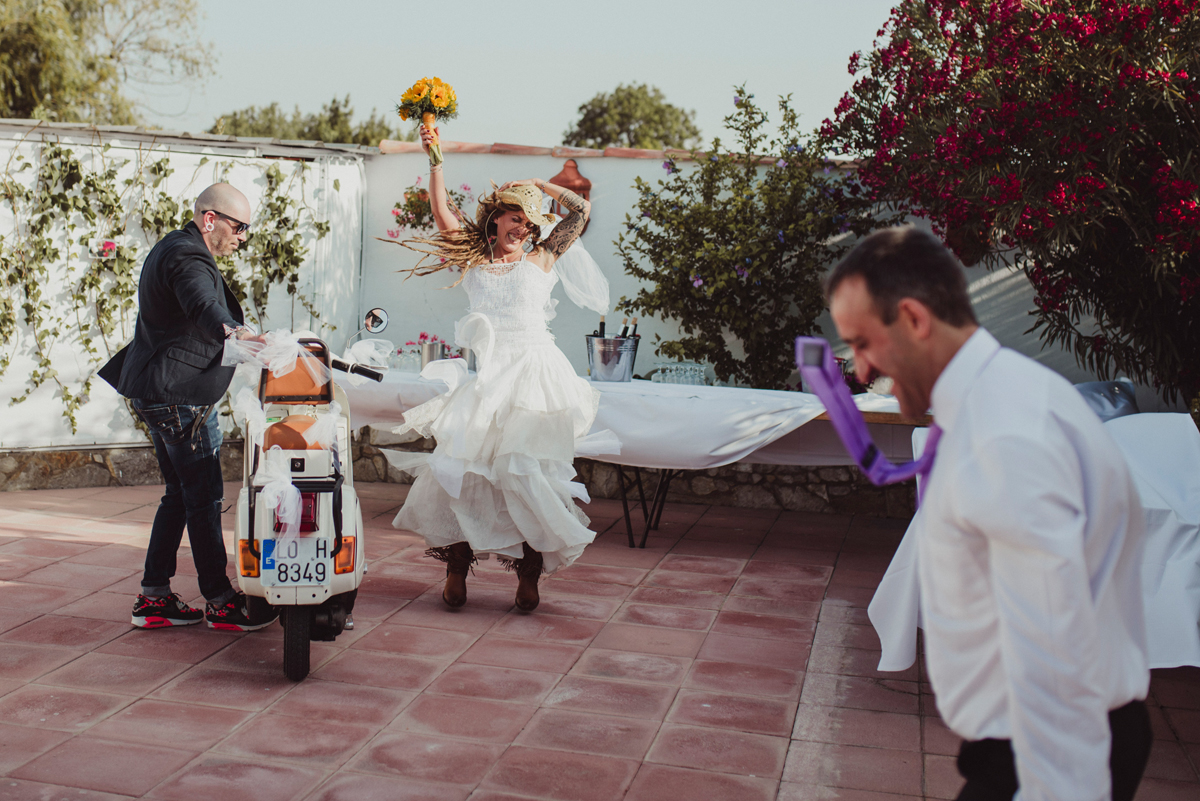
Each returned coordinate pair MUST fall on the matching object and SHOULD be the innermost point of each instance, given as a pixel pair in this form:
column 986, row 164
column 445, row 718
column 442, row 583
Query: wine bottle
column 633, row 329
column 601, row 328
column 624, row 328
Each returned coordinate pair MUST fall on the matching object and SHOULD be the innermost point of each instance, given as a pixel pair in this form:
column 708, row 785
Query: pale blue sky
column 521, row 70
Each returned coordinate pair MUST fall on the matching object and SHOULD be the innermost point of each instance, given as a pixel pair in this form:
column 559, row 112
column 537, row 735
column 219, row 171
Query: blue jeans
column 191, row 468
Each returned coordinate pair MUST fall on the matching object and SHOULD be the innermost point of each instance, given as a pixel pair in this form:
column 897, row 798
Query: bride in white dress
column 500, row 479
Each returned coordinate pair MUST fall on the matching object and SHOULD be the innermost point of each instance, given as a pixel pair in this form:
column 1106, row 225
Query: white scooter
column 312, row 578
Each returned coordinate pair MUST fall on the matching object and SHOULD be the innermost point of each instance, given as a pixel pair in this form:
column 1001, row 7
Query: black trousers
column 991, row 772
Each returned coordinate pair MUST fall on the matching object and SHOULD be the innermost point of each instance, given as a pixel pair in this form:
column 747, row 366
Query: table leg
column 637, row 474
column 659, row 502
column 624, row 484
column 625, row 503
column 662, row 502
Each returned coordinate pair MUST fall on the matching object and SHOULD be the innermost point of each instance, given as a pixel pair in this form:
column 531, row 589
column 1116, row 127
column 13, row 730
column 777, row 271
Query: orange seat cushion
column 288, row 434
column 298, row 383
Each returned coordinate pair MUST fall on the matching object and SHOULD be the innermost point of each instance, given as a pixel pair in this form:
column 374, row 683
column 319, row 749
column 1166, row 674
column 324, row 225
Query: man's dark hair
column 906, row 262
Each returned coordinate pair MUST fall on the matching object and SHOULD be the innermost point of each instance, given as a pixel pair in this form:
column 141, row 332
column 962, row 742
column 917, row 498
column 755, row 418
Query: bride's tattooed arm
column 571, row 226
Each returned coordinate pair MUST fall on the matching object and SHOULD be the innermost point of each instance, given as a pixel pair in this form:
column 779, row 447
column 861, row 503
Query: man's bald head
column 225, row 199
column 222, row 214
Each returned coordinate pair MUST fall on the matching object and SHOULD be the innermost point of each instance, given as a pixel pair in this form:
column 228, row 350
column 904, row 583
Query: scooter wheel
column 297, row 627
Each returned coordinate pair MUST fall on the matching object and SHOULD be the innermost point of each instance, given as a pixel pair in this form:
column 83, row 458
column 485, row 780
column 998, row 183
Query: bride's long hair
column 470, row 245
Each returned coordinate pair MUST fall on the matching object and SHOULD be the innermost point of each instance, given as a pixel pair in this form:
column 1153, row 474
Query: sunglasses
column 240, row 227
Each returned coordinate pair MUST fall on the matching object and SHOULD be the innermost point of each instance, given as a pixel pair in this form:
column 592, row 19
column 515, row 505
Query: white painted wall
column 420, row 304
column 330, row 274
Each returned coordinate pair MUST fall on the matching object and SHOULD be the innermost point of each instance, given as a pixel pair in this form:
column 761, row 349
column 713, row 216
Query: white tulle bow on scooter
column 323, row 433
column 280, row 494
column 279, row 353
column 373, row 353
column 247, row 406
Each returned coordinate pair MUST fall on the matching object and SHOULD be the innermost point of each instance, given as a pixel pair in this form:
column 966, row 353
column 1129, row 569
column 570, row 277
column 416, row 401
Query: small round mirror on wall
column 375, row 321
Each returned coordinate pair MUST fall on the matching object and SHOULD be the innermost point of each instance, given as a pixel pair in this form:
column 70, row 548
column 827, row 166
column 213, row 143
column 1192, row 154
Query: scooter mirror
column 375, row 321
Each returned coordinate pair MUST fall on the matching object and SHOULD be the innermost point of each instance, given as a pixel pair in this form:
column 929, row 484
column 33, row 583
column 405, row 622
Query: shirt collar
column 959, row 375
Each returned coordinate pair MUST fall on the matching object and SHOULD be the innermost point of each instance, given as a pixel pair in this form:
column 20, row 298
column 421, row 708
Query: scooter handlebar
column 358, row 369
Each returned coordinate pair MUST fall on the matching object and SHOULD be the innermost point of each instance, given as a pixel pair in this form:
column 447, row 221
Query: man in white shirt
column 1029, row 537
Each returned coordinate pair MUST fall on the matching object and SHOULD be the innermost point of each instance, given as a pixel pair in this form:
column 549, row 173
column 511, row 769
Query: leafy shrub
column 1060, row 137
column 735, row 246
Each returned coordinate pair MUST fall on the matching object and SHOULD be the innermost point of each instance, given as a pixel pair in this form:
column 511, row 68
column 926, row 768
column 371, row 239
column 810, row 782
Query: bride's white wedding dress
column 502, row 471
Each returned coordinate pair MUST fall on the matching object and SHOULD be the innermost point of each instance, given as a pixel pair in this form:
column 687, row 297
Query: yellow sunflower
column 441, row 98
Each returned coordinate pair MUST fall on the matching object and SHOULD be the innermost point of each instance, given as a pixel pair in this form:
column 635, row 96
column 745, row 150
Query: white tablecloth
column 675, row 425
column 1163, row 452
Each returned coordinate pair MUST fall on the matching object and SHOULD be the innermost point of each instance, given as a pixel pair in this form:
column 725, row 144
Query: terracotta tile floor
column 731, row 659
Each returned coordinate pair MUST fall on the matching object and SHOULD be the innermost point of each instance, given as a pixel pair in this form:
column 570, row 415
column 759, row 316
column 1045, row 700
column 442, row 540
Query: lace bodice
column 515, row 297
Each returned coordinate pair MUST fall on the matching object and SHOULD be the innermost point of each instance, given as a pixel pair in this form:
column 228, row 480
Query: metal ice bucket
column 431, row 352
column 611, row 358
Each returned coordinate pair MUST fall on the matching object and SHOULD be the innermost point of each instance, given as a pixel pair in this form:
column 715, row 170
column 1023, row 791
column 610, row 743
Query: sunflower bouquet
column 430, row 100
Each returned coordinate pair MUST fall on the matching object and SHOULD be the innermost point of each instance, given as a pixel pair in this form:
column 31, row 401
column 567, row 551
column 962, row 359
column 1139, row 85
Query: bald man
column 172, row 374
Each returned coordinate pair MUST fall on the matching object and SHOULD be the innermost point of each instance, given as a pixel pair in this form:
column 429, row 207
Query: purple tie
column 815, row 360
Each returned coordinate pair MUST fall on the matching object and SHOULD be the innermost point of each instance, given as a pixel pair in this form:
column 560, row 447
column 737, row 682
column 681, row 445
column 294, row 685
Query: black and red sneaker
column 159, row 612
column 234, row 616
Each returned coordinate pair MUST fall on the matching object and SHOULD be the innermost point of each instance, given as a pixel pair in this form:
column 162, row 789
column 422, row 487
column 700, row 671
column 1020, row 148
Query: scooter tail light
column 344, row 561
column 247, row 561
column 309, row 512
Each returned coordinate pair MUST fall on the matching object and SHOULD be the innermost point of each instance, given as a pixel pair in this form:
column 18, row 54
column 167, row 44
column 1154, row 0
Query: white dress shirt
column 1029, row 551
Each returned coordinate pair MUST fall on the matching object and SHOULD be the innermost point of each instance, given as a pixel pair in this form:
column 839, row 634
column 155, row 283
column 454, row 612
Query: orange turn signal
column 247, row 561
column 344, row 561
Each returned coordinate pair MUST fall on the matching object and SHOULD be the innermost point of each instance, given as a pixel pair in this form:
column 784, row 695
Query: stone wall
column 97, row 467
column 841, row 490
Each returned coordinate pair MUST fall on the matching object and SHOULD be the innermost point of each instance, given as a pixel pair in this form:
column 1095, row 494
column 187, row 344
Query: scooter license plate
column 306, row 561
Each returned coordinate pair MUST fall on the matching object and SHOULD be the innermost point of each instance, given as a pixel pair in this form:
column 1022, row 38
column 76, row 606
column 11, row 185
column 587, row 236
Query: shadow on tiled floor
column 731, row 659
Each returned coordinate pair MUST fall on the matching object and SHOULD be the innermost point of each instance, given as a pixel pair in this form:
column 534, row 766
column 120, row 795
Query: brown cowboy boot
column 529, row 570
column 458, row 558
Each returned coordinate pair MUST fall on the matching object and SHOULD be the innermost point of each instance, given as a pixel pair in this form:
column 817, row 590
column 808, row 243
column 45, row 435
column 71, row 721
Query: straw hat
column 529, row 198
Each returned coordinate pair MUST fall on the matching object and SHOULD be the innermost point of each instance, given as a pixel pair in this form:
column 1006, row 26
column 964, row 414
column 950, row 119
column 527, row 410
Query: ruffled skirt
column 502, row 472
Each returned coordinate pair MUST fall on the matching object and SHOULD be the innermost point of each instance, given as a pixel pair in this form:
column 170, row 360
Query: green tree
column 633, row 116
column 735, row 246
column 90, row 60
column 333, row 124
column 1061, row 137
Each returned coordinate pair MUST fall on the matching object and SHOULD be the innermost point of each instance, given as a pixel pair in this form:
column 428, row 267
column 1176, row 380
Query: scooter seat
column 288, row 434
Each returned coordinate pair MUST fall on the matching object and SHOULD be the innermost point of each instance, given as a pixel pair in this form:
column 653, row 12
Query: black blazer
column 183, row 307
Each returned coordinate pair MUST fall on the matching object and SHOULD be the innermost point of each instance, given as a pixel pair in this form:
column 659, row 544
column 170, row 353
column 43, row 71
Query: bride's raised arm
column 438, row 198
column 571, row 226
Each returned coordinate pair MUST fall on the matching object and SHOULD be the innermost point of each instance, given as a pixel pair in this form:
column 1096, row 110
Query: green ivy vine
column 79, row 219
column 275, row 249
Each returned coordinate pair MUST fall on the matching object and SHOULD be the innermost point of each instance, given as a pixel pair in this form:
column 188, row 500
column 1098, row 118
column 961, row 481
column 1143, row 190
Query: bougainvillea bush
column 734, row 246
column 1060, row 136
